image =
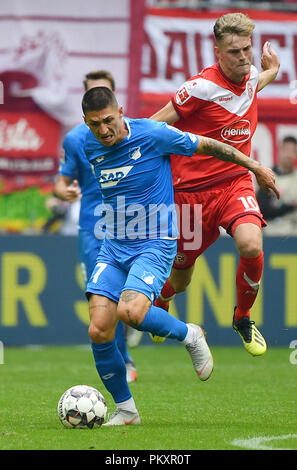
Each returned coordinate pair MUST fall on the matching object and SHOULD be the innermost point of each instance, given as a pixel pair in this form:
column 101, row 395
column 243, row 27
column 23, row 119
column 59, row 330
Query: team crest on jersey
column 250, row 90
column 239, row 131
column 148, row 277
column 180, row 258
column 135, row 153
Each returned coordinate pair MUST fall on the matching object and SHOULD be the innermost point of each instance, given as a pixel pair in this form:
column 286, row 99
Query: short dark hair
column 289, row 139
column 98, row 98
column 98, row 75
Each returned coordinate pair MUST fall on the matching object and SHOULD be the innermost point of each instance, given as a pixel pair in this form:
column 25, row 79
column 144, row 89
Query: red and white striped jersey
column 211, row 105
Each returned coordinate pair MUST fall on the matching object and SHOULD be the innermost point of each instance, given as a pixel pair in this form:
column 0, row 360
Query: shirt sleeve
column 68, row 165
column 184, row 101
column 169, row 139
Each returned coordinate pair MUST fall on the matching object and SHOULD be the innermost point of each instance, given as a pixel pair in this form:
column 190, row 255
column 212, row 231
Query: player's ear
column 216, row 51
column 121, row 111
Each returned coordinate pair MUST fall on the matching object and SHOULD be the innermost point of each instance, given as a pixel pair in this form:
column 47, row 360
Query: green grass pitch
column 246, row 398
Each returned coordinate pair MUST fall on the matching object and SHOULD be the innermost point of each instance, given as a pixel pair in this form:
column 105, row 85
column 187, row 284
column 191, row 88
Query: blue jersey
column 76, row 165
column 135, row 179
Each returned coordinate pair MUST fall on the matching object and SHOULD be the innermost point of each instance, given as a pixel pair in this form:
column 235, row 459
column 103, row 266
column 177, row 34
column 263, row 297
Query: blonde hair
column 233, row 23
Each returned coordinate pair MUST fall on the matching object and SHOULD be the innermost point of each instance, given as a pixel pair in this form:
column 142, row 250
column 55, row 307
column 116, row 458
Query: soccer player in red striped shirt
column 221, row 103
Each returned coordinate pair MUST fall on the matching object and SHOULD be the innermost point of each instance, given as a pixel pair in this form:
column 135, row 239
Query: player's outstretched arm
column 166, row 114
column 265, row 176
column 270, row 66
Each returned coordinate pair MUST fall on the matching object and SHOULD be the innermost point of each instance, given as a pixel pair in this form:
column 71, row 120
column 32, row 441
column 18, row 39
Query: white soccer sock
column 190, row 336
column 128, row 405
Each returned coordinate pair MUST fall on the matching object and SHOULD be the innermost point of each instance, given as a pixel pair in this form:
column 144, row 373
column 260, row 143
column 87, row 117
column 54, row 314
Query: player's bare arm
column 270, row 65
column 67, row 190
column 166, row 114
column 265, row 176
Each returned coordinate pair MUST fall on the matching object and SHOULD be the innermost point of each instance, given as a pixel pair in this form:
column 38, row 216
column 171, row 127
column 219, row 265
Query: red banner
column 29, row 144
column 42, row 68
column 179, row 43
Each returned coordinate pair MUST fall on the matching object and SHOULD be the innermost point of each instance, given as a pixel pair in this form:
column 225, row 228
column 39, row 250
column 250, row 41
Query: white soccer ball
column 82, row 407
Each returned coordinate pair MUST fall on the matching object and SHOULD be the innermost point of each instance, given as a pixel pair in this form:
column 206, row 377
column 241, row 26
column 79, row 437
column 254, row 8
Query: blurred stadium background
column 150, row 47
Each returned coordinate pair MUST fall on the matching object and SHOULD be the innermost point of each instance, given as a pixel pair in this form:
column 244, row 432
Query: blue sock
column 121, row 342
column 112, row 370
column 160, row 323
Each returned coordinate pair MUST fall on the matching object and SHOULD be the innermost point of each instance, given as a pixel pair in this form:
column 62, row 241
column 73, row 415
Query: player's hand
column 73, row 192
column 269, row 59
column 266, row 180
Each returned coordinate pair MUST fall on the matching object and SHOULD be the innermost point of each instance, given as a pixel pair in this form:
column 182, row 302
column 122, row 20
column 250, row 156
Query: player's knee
column 100, row 333
column 251, row 247
column 248, row 238
column 130, row 314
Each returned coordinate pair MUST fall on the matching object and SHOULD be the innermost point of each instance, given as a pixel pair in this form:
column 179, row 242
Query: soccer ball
column 82, row 407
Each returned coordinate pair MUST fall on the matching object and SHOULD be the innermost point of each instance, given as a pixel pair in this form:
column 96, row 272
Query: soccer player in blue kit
column 132, row 166
column 76, row 181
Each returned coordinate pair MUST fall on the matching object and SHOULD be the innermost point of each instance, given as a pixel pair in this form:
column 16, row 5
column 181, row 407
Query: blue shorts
column 142, row 266
column 88, row 249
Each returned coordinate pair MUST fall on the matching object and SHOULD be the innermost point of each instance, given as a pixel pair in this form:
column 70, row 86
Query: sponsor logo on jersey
column 111, row 177
column 239, row 131
column 224, row 99
column 184, row 93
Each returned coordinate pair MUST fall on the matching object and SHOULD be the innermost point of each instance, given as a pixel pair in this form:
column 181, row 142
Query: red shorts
column 201, row 213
